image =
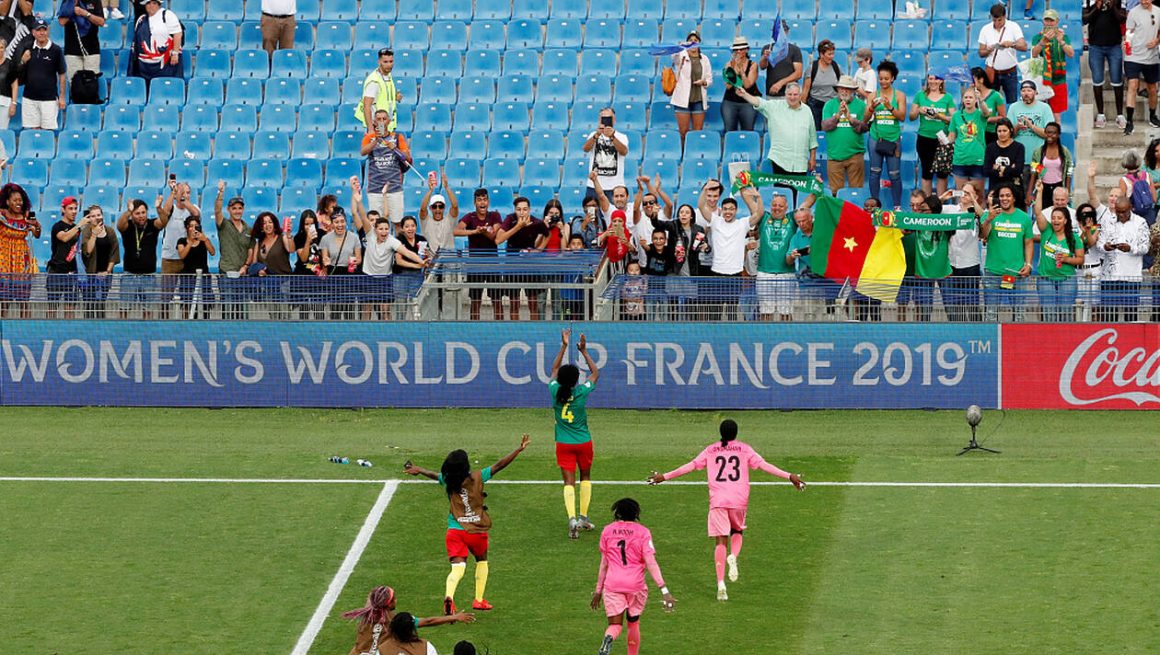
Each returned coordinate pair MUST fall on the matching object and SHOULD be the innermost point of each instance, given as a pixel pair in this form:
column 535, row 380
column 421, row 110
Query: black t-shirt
column 1103, row 23
column 196, row 259
column 480, row 241
column 40, row 81
column 314, row 255
column 140, row 247
column 103, row 252
column 1010, row 158
column 660, row 263
column 526, row 238
column 92, row 40
column 419, row 238
column 784, row 68
column 64, row 253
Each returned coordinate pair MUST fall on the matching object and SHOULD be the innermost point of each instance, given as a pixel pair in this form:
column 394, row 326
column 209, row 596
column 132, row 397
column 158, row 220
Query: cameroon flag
column 845, row 245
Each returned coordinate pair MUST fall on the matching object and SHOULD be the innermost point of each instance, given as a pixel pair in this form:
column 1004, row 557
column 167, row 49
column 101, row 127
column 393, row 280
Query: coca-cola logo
column 1103, row 365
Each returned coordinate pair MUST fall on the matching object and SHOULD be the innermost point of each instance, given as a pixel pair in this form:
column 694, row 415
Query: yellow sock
column 585, row 496
column 480, row 579
column 453, row 578
column 570, row 500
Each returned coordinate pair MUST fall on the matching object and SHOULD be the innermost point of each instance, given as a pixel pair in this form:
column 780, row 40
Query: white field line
column 691, row 483
column 306, row 640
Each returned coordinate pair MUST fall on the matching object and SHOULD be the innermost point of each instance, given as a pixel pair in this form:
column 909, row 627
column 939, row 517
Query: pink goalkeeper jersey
column 729, row 467
column 625, row 547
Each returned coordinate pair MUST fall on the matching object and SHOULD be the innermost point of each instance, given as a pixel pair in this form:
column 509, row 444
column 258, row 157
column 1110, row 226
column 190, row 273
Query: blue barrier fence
column 644, row 365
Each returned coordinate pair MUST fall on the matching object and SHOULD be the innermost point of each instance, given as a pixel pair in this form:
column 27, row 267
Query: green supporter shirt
column 932, row 254
column 1059, row 72
column 801, row 240
column 1005, row 243
column 843, row 142
column 1049, row 245
column 970, row 147
column 452, row 524
column 885, row 126
column 572, row 416
column 994, row 102
column 773, row 242
column 929, row 127
column 234, row 246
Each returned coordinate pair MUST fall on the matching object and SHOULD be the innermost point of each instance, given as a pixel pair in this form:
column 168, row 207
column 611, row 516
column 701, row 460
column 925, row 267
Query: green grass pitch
column 148, row 567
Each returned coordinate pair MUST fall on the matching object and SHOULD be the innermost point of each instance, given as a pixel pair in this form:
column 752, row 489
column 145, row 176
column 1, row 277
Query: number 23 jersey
column 728, row 471
column 572, row 416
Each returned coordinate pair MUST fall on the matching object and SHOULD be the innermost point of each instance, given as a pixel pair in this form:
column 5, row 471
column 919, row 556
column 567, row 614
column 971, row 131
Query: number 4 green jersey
column 572, row 416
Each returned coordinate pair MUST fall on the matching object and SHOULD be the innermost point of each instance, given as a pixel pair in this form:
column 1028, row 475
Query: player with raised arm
column 729, row 463
column 468, row 521
column 626, row 550
column 375, row 616
column 573, row 440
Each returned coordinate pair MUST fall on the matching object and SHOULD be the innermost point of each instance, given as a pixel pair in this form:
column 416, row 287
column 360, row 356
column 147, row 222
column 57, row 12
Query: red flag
column 842, row 236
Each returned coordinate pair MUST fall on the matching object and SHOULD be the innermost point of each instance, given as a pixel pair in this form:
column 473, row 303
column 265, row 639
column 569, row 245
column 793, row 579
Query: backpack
column 1141, row 193
column 86, row 88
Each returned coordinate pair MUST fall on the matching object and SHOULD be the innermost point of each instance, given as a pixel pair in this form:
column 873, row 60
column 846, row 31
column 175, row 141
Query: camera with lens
column 554, row 220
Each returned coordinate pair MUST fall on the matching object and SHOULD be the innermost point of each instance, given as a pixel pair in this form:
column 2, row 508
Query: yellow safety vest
column 386, row 98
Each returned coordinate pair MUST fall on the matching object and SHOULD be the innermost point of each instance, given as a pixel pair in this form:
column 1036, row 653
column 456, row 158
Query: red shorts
column 460, row 544
column 1058, row 102
column 570, row 456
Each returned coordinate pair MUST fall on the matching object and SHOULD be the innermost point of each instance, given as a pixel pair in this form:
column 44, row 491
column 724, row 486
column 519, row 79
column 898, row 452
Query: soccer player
column 729, row 463
column 468, row 521
column 573, row 440
column 626, row 550
column 374, row 618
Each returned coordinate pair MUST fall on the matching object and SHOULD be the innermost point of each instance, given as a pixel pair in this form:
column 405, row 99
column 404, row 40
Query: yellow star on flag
column 850, row 244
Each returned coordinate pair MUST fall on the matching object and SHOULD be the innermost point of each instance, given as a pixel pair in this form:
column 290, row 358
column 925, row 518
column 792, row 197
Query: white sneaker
column 573, row 529
column 731, row 560
column 1101, row 122
column 721, row 593
column 116, row 14
column 1121, row 122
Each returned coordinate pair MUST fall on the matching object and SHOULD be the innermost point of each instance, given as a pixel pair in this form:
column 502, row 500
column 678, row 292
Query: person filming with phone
column 388, row 158
column 606, row 148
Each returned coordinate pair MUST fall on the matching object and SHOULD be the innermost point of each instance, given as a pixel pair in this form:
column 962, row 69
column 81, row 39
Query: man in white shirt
column 999, row 45
column 708, row 208
column 1124, row 242
column 175, row 209
column 278, row 25
column 728, row 237
column 961, row 289
column 1141, row 58
column 606, row 150
column 647, row 209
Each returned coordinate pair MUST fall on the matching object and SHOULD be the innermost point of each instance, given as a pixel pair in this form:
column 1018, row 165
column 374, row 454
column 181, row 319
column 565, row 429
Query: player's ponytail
column 455, row 470
column 464, row 648
column 377, row 608
column 402, row 628
column 728, row 431
column 566, row 377
column 626, row 509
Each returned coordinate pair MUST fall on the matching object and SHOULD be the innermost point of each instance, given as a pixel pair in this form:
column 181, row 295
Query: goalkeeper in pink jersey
column 626, row 550
column 729, row 463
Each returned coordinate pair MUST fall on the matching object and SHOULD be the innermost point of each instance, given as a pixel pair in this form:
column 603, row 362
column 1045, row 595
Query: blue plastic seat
column 594, row 89
column 506, row 144
column 115, row 143
column 668, row 170
column 204, row 91
column 214, row 64
column 612, row 10
column 550, row 116
column 911, row 35
column 83, row 118
column 468, row 144
column 74, row 144
column 510, row 116
column 687, row 9
column 837, row 30
column 253, row 64
column 329, row 64
column 502, row 173
column 316, row 117
column 309, row 12
column 410, row 36
column 372, row 35
column 555, row 88
column 155, row 144
column 215, row 35
column 603, row 33
column 645, row 9
column 279, row 118
column 632, row 62
column 264, row 173
column 194, row 145
column 473, row 116
column 448, row 34
column 575, row 172
column 598, row 61
column 107, row 172
column 228, row 145
column 109, row 67
column 30, row 173
column 167, row 91
column 421, row 11
column 941, row 60
column 538, row 196
column 189, row 171
column 239, row 118
column 525, row 33
column 632, row 116
column 633, row 88
column 262, row 198
column 515, row 86
column 288, row 63
column 493, row 10
column 333, row 35
column 702, row 144
column 477, row 89
column 876, row 9
column 339, row 170
column 271, row 145
column 250, row 31
column 722, row 9
column 37, row 144
column 872, row 32
column 662, row 143
column 435, row 117
column 127, row 91
column 455, row 9
column 445, row 63
column 483, row 63
column 564, row 33
column 559, row 61
column 641, row 33
column 314, row 91
column 742, row 146
column 111, row 38
column 107, row 197
column 718, row 33
column 191, row 11
column 488, row 35
column 147, row 173
column 429, row 143
column 546, row 144
column 675, row 28
column 283, row 91
column 950, row 35
column 910, row 64
column 696, row 171
column 950, row 10
column 463, row 173
column 244, row 91
column 542, row 172
column 521, row 62
column 407, row 64
column 200, row 118
column 230, row 171
column 311, row 144
column 375, row 12
column 836, row 11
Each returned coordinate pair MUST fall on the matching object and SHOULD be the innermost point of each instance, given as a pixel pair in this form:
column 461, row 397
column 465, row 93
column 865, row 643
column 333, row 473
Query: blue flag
column 960, row 74
column 669, row 50
column 779, row 43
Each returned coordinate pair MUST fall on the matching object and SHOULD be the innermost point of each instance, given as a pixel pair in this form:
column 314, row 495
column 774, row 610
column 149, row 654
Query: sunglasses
column 437, row 205
column 649, row 202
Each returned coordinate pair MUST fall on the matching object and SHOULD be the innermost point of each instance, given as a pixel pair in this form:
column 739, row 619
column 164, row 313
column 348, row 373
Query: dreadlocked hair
column 728, row 431
column 566, row 377
column 455, row 470
column 626, row 509
column 375, row 611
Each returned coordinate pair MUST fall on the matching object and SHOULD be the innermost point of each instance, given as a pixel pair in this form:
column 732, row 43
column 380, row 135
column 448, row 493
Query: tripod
column 974, row 445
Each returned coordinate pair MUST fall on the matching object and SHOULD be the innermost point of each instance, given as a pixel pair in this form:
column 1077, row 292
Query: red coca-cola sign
column 1081, row 366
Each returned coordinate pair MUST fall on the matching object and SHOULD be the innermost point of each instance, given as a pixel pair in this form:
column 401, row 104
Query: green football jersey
column 572, row 416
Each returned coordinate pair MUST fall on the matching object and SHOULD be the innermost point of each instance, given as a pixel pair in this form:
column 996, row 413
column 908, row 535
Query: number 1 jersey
column 625, row 546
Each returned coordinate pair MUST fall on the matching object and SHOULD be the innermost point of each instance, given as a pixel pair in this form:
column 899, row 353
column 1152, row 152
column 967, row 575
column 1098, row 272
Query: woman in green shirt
column 1062, row 251
column 932, row 108
column 993, row 102
column 966, row 133
column 1007, row 232
column 885, row 113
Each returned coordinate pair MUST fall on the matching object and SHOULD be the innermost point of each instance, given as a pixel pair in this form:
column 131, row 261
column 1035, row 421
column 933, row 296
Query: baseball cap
column 236, row 200
column 437, row 199
column 68, row 200
column 1051, row 14
column 1028, row 83
column 39, row 24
